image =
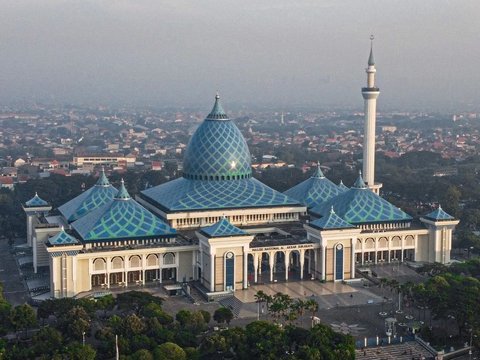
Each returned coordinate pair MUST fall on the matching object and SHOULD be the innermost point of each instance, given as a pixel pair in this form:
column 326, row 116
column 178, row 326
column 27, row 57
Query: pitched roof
column 439, row 215
column 36, row 201
column 121, row 218
column 98, row 195
column 185, row 195
column 360, row 205
column 62, row 238
column 331, row 222
column 315, row 190
column 222, row 228
column 342, row 186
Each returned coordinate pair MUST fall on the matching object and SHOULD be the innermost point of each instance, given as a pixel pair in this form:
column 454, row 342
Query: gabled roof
column 62, row 238
column 315, row 190
column 360, row 205
column 222, row 228
column 121, row 218
column 36, row 201
column 187, row 195
column 98, row 195
column 331, row 222
column 439, row 215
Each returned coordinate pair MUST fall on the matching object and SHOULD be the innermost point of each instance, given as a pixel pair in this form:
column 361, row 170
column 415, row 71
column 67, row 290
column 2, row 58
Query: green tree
column 169, row 351
column 76, row 351
column 23, row 317
column 222, row 315
column 142, row 354
column 47, row 340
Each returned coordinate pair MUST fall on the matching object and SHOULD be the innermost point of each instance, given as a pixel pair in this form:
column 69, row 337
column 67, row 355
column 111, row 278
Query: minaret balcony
column 370, row 89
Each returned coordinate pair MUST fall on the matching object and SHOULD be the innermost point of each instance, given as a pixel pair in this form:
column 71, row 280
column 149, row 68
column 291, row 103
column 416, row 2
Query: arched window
column 396, row 242
column 135, row 261
column 229, row 271
column 99, row 264
column 339, row 262
column 117, row 262
column 152, row 260
column 169, row 259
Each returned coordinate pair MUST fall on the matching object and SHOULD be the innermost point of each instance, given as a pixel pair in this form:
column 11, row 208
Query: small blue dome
column 217, row 150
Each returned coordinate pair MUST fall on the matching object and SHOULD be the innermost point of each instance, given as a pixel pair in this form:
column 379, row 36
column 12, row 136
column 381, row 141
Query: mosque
column 222, row 229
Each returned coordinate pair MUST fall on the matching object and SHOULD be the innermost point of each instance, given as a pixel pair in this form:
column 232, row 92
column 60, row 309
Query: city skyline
column 277, row 53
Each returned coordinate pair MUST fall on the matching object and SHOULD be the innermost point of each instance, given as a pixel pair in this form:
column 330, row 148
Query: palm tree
column 312, row 306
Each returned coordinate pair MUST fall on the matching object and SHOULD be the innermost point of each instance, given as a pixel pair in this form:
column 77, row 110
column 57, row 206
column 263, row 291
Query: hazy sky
column 256, row 52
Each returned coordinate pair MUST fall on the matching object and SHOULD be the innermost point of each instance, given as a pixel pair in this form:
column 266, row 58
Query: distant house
column 6, row 182
column 19, row 162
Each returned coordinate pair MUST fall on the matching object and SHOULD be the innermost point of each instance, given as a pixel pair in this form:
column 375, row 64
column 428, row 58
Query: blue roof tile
column 121, row 218
column 186, row 195
column 439, row 215
column 62, row 238
column 96, row 196
column 36, row 201
column 217, row 150
column 314, row 191
column 360, row 205
column 331, row 222
column 222, row 228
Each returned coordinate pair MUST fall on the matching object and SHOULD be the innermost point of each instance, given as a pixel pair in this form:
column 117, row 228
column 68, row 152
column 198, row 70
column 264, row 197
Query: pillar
column 212, row 268
column 286, row 261
column 402, row 239
column 302, row 262
column 245, row 269
column 315, row 259
column 271, row 260
column 255, row 268
column 324, row 265
column 352, row 259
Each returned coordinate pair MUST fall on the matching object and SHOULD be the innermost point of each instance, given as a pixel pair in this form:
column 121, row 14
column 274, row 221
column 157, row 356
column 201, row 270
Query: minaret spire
column 370, row 95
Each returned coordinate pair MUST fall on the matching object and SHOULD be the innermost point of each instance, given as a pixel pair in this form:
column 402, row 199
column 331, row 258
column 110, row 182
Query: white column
column 245, row 268
column 352, row 261
column 287, row 256
column 255, row 267
column 212, row 275
column 271, row 260
column 389, row 244
column 144, row 263
column 302, row 262
column 402, row 239
column 376, row 250
column 315, row 267
column 74, row 276
column 324, row 265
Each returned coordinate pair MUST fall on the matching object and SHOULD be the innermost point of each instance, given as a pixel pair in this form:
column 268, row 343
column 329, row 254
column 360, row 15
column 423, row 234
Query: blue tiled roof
column 342, row 186
column 331, row 222
column 438, row 215
column 314, row 191
column 217, row 150
column 222, row 228
column 185, row 195
column 62, row 238
column 359, row 205
column 121, row 218
column 98, row 195
column 36, row 201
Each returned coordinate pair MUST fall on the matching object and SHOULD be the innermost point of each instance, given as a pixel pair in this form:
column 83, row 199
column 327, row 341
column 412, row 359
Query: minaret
column 370, row 94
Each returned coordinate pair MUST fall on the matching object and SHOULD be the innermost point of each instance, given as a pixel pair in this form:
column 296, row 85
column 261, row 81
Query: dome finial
column 122, row 192
column 371, row 59
column 217, row 112
column 332, row 211
column 359, row 183
column 318, row 173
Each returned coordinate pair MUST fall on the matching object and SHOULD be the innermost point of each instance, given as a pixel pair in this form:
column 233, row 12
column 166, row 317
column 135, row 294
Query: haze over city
column 274, row 53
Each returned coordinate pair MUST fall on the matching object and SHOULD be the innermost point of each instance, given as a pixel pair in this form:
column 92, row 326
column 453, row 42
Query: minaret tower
column 370, row 94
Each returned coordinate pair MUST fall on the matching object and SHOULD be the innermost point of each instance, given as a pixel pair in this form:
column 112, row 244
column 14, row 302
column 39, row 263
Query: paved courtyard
column 327, row 295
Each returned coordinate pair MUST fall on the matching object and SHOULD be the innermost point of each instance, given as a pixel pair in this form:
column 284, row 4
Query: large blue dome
column 217, row 150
